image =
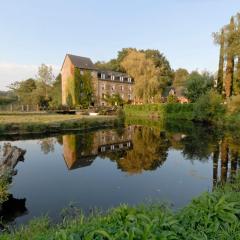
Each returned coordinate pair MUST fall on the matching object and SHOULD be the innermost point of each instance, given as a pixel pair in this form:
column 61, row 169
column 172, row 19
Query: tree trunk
column 11, row 156
column 237, row 87
column 229, row 76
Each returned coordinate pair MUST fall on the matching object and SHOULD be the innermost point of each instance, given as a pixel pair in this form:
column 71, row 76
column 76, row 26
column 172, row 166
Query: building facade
column 104, row 83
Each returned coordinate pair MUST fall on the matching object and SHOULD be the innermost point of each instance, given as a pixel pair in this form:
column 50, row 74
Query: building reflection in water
column 133, row 148
column 81, row 150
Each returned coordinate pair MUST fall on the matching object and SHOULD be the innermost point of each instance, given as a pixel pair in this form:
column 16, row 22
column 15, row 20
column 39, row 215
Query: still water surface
column 105, row 168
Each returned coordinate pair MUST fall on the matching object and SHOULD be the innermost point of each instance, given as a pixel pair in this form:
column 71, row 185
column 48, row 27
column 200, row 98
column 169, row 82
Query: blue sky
column 35, row 32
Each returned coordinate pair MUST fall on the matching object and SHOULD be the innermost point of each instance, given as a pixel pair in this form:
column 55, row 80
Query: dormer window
column 112, row 77
column 102, row 75
column 121, row 78
column 129, row 79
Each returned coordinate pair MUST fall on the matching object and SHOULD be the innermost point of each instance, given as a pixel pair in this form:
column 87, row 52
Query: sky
column 35, row 32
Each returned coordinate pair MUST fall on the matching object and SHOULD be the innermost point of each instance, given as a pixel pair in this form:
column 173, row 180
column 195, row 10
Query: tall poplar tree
column 230, row 60
column 221, row 65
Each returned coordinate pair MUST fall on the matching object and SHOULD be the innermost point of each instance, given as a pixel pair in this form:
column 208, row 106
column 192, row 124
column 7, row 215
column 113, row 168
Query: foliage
column 233, row 105
column 163, row 111
column 42, row 91
column 211, row 216
column 56, row 92
column 180, row 77
column 114, row 100
column 4, row 186
column 209, row 107
column 172, row 99
column 82, row 88
column 221, row 65
column 45, row 78
column 24, row 90
column 145, row 75
column 228, row 39
column 198, row 84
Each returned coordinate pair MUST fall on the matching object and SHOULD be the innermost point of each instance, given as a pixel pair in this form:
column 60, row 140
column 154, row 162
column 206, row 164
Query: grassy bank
column 213, row 215
column 45, row 123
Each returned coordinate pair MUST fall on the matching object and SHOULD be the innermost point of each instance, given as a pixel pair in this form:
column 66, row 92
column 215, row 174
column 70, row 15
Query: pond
column 104, row 168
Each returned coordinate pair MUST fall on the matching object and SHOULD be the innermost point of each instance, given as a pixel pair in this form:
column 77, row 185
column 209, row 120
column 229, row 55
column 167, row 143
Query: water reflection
column 12, row 209
column 140, row 148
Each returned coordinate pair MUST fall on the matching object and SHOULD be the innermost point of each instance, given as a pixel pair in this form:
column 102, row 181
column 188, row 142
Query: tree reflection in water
column 139, row 148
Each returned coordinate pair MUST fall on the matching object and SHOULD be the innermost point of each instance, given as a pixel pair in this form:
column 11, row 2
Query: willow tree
column 145, row 75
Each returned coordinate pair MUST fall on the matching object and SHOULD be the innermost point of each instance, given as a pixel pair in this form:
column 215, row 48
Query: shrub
column 172, row 99
column 234, row 104
column 209, row 107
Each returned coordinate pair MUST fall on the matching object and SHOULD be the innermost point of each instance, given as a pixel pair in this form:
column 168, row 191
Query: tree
column 209, row 107
column 24, row 90
column 165, row 73
column 230, row 60
column 145, row 75
column 221, row 65
column 180, row 77
column 197, row 85
column 45, row 77
column 56, row 92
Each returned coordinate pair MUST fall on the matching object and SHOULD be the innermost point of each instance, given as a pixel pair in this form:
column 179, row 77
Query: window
column 121, row 78
column 121, row 88
column 102, row 75
column 103, row 86
column 129, row 97
column 122, row 96
column 103, row 149
column 129, row 79
column 112, row 77
column 112, row 147
column 130, row 88
column 113, row 88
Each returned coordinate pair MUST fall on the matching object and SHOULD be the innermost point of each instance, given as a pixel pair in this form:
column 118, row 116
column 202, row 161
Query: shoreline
column 31, row 124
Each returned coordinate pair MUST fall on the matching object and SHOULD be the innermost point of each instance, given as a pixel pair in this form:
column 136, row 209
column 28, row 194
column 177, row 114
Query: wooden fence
column 20, row 108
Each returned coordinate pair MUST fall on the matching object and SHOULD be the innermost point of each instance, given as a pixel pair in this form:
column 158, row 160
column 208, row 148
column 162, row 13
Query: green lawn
column 40, row 123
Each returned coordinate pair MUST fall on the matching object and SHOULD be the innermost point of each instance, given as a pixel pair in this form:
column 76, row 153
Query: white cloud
column 11, row 72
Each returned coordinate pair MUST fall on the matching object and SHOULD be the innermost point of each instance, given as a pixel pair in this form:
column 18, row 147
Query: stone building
column 103, row 82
